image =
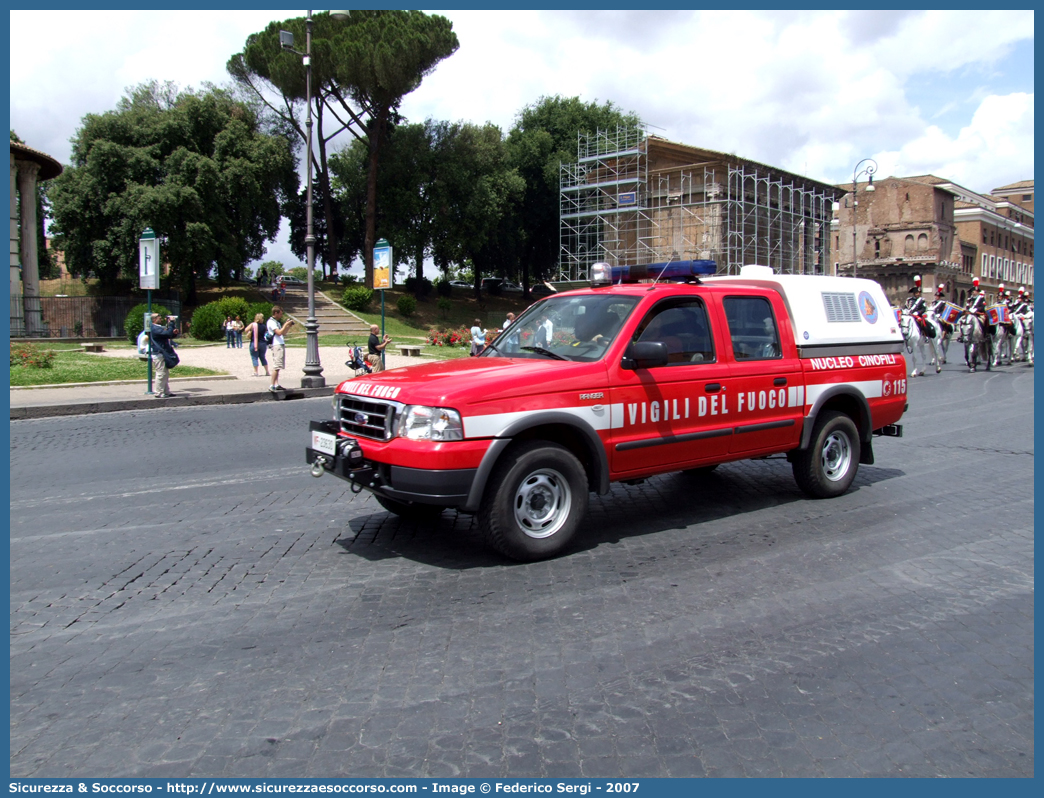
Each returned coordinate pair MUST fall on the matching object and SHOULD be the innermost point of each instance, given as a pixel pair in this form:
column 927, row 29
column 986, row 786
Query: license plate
column 324, row 442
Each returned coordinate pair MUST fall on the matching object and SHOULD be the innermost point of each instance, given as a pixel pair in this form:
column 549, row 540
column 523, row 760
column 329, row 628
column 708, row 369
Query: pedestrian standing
column 478, row 338
column 237, row 325
column 375, row 348
column 164, row 357
column 277, row 328
column 230, row 333
column 256, row 343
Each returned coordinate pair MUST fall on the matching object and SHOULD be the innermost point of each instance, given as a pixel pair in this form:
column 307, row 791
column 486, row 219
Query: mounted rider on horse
column 918, row 308
column 939, row 309
column 977, row 307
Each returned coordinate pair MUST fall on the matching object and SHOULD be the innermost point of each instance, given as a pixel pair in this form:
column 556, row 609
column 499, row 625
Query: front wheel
column 827, row 468
column 534, row 501
column 411, row 511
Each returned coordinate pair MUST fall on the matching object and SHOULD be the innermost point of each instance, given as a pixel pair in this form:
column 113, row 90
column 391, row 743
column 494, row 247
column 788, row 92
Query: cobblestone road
column 187, row 601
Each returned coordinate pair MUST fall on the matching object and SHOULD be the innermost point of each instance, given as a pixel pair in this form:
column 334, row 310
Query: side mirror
column 644, row 355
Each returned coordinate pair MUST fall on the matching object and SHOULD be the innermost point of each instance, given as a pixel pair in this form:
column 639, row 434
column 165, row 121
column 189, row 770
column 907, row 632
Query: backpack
column 269, row 336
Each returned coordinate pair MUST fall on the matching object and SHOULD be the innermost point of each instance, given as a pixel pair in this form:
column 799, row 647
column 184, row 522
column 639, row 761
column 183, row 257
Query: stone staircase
column 333, row 318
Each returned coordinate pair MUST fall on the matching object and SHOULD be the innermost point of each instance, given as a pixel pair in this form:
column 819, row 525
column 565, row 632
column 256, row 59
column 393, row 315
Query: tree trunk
column 323, row 174
column 376, row 133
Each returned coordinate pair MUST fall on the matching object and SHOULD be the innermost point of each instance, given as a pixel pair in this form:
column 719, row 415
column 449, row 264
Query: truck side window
column 682, row 325
column 752, row 328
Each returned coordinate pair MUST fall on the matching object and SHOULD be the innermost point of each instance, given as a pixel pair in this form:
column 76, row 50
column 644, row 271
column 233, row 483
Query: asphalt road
column 187, row 601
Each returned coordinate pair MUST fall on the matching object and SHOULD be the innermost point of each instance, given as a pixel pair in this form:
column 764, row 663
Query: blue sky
column 813, row 92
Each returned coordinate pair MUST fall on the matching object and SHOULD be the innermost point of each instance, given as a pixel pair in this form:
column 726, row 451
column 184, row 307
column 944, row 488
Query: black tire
column 534, row 501
column 827, row 468
column 410, row 511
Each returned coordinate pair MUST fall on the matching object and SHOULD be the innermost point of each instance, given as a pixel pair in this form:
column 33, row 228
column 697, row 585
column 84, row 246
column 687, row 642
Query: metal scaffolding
column 618, row 204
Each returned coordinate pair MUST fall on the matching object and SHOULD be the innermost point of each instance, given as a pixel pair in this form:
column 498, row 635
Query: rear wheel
column 411, row 511
column 534, row 501
column 829, row 465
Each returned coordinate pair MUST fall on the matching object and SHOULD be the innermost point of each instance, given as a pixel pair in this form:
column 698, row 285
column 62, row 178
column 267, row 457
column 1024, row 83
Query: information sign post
column 382, row 270
column 148, row 278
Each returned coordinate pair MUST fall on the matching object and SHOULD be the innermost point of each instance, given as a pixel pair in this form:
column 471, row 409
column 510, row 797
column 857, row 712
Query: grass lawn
column 72, row 366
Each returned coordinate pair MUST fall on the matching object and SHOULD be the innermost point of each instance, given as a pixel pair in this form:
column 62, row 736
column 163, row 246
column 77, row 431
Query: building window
column 922, row 243
column 909, row 245
column 1027, row 198
column 877, row 248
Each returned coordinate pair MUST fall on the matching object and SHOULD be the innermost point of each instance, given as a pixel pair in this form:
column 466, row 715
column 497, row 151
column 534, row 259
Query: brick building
column 633, row 198
column 938, row 229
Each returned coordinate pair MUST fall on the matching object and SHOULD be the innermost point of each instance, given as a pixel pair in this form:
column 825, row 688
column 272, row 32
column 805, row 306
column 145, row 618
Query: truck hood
column 471, row 381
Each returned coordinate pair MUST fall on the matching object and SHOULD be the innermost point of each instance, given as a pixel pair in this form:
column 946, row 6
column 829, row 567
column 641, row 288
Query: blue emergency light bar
column 604, row 274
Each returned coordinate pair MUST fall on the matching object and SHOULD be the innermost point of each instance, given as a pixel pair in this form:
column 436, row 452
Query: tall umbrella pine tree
column 362, row 67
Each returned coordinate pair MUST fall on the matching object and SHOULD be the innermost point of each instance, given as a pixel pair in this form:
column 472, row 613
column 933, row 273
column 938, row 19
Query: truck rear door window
column 752, row 328
column 682, row 325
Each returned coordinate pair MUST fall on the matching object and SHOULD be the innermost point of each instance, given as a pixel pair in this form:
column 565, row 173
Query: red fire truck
column 651, row 369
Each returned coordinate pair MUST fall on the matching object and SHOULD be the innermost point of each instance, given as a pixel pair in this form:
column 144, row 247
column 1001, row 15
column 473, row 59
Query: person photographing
column 164, row 358
column 276, row 329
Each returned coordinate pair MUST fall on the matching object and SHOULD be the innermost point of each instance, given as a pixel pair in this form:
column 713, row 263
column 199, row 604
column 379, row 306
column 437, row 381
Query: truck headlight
column 418, row 422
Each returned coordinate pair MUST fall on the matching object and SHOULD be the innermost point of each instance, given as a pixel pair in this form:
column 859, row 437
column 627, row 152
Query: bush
column 420, row 287
column 31, row 356
column 443, row 287
column 135, row 321
column 357, row 298
column 444, row 305
column 458, row 337
column 207, row 320
column 407, row 305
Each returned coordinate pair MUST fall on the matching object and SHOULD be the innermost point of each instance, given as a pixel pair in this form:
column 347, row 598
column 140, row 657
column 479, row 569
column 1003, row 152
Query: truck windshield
column 578, row 328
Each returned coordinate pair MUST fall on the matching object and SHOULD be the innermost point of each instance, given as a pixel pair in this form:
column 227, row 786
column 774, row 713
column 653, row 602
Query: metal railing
column 77, row 316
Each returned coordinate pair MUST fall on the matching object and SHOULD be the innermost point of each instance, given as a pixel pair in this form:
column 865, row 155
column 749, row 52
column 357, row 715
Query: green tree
column 406, row 177
column 474, row 193
column 446, row 189
column 362, row 67
column 544, row 137
column 197, row 167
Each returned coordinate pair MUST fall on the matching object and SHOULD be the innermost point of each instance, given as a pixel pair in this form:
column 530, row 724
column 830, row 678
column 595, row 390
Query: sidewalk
column 238, row 387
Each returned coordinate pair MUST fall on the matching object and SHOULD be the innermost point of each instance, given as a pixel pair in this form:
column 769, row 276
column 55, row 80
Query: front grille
column 368, row 418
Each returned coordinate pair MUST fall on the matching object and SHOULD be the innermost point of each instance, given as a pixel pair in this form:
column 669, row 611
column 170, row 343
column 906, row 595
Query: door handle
column 779, row 381
column 711, row 387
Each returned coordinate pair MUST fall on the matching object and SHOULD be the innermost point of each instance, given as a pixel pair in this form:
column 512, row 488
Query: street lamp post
column 868, row 170
column 313, row 370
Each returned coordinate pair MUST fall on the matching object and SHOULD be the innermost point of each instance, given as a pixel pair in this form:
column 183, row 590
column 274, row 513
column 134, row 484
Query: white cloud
column 809, row 91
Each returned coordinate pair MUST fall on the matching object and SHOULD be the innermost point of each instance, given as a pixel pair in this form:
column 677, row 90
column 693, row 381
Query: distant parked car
column 460, row 284
column 288, row 280
column 540, row 290
column 509, row 287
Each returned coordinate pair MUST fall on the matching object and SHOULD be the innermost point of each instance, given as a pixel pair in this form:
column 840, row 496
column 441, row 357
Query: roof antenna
column 670, row 260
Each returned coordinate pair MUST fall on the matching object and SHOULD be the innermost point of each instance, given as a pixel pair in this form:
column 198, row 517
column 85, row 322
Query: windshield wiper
column 541, row 351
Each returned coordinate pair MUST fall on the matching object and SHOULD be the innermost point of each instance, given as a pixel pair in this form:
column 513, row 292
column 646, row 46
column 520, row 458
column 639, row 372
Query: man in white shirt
column 277, row 347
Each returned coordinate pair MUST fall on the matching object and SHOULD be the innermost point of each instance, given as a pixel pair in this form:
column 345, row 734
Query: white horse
column 916, row 343
column 1002, row 344
column 942, row 343
column 1023, row 347
column 977, row 343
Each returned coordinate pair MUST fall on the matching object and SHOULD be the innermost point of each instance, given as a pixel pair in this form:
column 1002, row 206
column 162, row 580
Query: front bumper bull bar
column 444, row 487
